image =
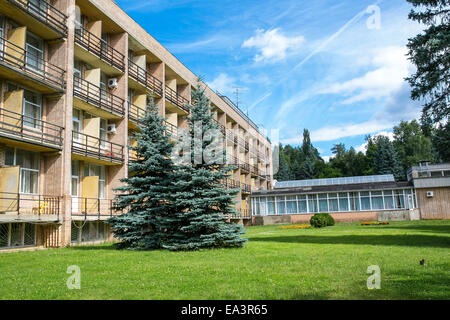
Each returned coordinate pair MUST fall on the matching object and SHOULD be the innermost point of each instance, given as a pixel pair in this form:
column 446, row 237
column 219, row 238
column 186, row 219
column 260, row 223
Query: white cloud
column 363, row 146
column 389, row 66
column 272, row 44
column 348, row 130
column 222, row 83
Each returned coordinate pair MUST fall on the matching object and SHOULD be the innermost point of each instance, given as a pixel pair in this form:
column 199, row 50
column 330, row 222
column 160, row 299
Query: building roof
column 334, row 181
column 371, row 186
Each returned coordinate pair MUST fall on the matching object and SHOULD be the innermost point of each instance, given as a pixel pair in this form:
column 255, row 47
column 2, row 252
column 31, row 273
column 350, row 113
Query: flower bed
column 297, row 226
column 373, row 223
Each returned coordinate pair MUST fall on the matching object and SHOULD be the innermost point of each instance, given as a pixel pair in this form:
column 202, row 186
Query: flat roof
column 334, row 181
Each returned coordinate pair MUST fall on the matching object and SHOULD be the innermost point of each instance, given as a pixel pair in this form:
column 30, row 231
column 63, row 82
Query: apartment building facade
column 75, row 78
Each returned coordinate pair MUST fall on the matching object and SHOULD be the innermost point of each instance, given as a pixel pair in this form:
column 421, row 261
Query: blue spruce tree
column 200, row 198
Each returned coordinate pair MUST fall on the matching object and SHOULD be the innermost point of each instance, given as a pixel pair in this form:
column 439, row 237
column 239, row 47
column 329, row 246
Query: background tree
column 145, row 195
column 441, row 142
column 385, row 160
column 430, row 52
column 200, row 197
column 411, row 144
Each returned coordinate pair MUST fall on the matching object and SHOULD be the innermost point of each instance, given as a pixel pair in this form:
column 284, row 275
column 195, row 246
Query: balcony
column 231, row 136
column 173, row 97
column 29, row 207
column 254, row 170
column 100, row 49
column 244, row 166
column 245, row 188
column 231, row 160
column 43, row 19
column 93, row 208
column 26, row 129
column 241, row 214
column 135, row 113
column 96, row 148
column 242, row 143
column 145, row 79
column 41, row 75
column 221, row 127
column 230, row 183
column 98, row 97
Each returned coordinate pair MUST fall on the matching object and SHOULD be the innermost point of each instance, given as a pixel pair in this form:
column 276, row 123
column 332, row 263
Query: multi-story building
column 75, row 78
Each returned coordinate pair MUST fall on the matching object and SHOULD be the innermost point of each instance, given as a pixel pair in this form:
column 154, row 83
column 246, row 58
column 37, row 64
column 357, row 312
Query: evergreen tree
column 145, row 195
column 200, row 198
column 385, row 160
column 441, row 142
column 308, row 170
column 429, row 51
column 411, row 144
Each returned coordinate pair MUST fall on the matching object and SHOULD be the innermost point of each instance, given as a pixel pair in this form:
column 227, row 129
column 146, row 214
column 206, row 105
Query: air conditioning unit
column 112, row 83
column 112, row 128
column 430, row 194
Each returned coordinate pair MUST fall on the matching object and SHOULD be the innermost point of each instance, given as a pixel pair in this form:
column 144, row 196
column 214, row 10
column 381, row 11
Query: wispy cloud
column 272, row 45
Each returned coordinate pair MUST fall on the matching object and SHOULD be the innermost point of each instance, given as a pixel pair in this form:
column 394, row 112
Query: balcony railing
column 230, row 183
column 135, row 113
column 31, row 64
column 245, row 187
column 99, row 47
column 36, row 205
column 25, row 127
column 143, row 77
column 231, row 160
column 241, row 214
column 94, row 207
column 97, row 96
column 231, row 136
column 177, row 99
column 254, row 169
column 171, row 129
column 45, row 13
column 94, row 147
column 244, row 166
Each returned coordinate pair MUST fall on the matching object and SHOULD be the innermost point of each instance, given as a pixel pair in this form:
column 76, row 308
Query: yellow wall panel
column 9, row 188
column 14, row 103
column 89, row 193
column 17, row 36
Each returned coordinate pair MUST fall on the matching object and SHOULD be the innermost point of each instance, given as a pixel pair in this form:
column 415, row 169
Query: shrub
column 320, row 220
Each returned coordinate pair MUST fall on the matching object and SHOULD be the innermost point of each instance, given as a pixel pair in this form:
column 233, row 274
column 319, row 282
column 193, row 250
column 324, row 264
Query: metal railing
column 245, row 187
column 232, row 160
column 45, row 13
column 30, row 204
column 230, row 183
column 231, row 136
column 143, row 77
column 97, row 96
column 99, row 47
column 94, row 207
column 25, row 127
column 31, row 64
column 135, row 113
column 94, row 147
column 241, row 214
column 177, row 99
column 244, row 166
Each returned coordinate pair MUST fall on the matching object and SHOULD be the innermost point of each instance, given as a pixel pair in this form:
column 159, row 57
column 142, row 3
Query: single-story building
column 426, row 195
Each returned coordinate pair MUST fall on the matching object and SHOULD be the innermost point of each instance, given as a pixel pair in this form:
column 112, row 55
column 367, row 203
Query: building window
column 88, row 231
column 281, row 205
column 301, row 202
column 34, row 52
column 270, row 205
column 333, row 204
column 291, row 204
column 29, row 168
column 312, row 203
column 365, row 200
column 323, row 202
column 32, row 109
column 100, row 172
column 343, row 201
column 17, row 235
column 388, row 199
column 377, row 200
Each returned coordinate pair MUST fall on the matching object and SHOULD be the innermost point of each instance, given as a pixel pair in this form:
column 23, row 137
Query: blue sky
column 334, row 67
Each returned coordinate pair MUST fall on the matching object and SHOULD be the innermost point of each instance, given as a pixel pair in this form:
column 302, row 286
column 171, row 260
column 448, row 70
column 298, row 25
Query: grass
column 276, row 263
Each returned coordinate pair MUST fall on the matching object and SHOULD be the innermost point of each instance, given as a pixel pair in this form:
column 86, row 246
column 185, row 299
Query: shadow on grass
column 383, row 240
column 424, row 228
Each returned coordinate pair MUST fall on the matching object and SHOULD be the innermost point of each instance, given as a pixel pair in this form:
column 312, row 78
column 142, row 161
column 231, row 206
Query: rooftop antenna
column 236, row 94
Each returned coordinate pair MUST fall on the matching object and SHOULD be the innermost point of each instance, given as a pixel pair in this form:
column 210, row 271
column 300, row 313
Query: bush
column 320, row 220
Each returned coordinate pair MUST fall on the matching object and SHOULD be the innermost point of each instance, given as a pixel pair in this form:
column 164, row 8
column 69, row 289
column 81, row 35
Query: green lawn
column 276, row 263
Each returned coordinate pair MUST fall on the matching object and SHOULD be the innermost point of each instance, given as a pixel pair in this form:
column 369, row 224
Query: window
column 100, row 172
column 75, row 168
column 365, row 200
column 377, row 200
column 76, row 124
column 343, row 201
column 301, row 202
column 29, row 168
column 354, row 201
column 88, row 231
column 333, row 202
column 103, row 133
column 32, row 109
column 323, row 203
column 34, row 52
column 17, row 235
column 291, row 204
column 388, row 199
column 270, row 205
column 104, row 90
column 281, row 205
column 399, row 199
column 312, row 203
